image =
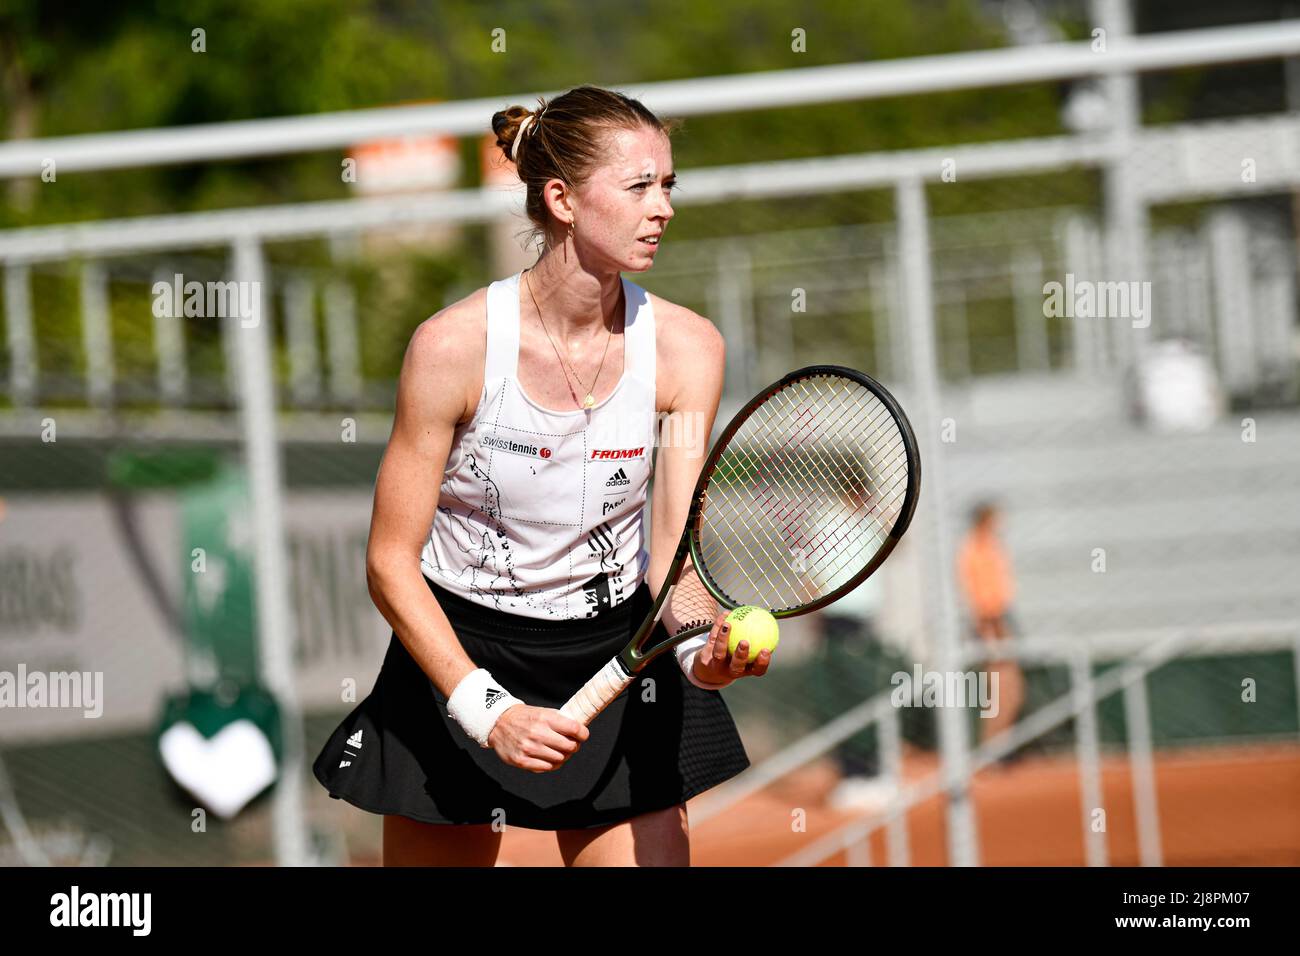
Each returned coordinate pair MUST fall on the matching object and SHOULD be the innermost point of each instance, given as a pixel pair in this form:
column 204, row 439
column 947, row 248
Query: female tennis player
column 507, row 547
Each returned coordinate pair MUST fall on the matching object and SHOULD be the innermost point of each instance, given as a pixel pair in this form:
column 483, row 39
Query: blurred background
column 1063, row 232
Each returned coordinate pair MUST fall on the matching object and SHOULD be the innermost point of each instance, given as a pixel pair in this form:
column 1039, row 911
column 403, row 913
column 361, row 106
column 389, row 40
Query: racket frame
column 634, row 657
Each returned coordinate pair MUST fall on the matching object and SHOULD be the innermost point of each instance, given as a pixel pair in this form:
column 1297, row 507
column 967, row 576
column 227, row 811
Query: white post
column 96, row 334
column 274, row 612
column 925, row 414
column 1032, row 350
column 1234, row 304
column 899, row 361
column 1127, row 220
column 1087, row 752
column 169, row 348
column 1090, row 351
column 342, row 343
column 891, row 758
column 300, row 331
column 733, row 306
column 1137, row 715
column 960, row 343
column 18, row 327
column 881, row 317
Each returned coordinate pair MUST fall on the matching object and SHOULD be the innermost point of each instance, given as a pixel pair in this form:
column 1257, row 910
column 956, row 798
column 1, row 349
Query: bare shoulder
column 690, row 353
column 683, row 331
column 448, row 349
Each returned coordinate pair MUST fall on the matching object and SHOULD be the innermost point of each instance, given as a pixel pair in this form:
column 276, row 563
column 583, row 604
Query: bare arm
column 406, row 497
column 431, row 399
column 699, row 363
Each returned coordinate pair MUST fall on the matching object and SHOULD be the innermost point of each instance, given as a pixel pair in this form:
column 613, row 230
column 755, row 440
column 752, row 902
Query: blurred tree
column 83, row 67
column 80, row 67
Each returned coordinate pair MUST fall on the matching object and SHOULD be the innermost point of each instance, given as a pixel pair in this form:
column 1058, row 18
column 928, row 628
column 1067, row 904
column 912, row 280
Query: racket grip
column 597, row 693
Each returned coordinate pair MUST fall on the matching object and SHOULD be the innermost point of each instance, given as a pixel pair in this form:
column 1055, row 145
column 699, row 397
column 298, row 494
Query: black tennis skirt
column 654, row 747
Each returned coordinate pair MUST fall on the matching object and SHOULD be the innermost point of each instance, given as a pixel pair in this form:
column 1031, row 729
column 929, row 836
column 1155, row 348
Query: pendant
column 589, row 400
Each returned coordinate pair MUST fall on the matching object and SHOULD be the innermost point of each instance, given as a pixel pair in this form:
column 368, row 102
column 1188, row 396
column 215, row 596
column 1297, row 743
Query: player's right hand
column 536, row 738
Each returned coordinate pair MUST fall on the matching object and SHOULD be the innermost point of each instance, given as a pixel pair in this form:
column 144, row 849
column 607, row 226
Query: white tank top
column 540, row 511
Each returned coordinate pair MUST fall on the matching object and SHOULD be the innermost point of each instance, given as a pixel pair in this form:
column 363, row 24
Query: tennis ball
column 752, row 624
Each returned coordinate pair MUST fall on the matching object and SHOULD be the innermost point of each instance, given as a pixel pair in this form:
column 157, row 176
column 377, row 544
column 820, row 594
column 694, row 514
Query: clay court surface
column 1229, row 806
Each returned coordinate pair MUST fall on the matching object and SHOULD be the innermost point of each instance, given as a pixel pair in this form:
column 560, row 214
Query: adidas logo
column 493, row 695
column 344, row 763
column 355, row 740
column 618, row 479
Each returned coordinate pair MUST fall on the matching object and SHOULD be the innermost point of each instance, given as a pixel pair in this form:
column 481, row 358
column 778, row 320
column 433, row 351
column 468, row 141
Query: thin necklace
column 590, row 400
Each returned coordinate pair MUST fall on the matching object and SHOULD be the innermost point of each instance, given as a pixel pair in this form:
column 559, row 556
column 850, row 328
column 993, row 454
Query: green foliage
column 97, row 68
column 79, row 67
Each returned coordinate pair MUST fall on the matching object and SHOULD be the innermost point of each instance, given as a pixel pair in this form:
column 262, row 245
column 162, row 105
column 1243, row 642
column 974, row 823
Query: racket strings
column 895, row 485
column 690, row 605
column 787, row 505
column 812, row 475
column 806, row 494
column 756, row 512
column 772, row 471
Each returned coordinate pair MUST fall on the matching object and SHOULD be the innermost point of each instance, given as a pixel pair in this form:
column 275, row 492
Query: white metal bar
column 18, row 332
column 732, row 306
column 1233, row 299
column 169, row 343
column 1148, row 657
column 300, row 332
column 724, row 94
column 181, row 231
column 1078, row 246
column 1088, row 754
column 1163, row 151
column 925, row 413
column 882, row 311
column 1137, row 715
column 1032, row 350
column 1127, row 220
column 890, row 737
column 958, row 344
column 274, row 610
column 97, row 333
column 342, row 342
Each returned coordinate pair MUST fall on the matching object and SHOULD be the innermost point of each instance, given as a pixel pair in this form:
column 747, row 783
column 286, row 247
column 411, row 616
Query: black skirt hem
column 690, row 793
column 646, row 751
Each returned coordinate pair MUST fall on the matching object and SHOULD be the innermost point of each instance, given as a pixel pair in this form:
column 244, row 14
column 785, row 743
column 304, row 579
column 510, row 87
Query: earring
column 572, row 229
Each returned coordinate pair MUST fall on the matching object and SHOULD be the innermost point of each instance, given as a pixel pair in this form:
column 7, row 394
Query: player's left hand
column 714, row 665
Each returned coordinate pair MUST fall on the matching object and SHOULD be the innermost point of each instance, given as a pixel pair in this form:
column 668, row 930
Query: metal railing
column 1138, row 654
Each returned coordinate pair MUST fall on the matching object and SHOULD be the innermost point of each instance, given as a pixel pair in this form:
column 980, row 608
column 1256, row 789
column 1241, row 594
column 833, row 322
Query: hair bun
column 510, row 125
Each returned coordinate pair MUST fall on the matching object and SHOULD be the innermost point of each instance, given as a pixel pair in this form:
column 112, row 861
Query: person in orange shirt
column 988, row 584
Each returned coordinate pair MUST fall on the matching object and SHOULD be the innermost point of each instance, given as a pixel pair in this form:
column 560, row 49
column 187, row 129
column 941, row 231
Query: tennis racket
column 804, row 494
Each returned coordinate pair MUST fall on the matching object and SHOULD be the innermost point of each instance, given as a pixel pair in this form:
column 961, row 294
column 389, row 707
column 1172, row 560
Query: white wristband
column 686, row 652
column 477, row 704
